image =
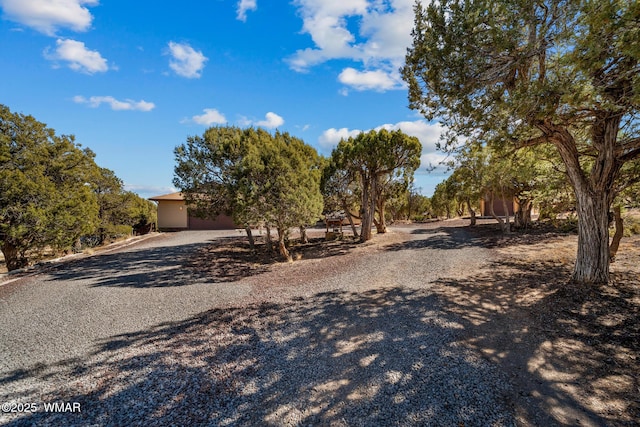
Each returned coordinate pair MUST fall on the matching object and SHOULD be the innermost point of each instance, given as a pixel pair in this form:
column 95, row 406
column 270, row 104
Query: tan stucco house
column 173, row 215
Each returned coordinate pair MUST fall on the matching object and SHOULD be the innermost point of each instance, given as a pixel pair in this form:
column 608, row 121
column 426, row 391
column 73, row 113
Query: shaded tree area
column 341, row 193
column 483, row 172
column 409, row 205
column 528, row 176
column 443, row 201
column 377, row 166
column 262, row 180
column 515, row 74
column 49, row 192
column 120, row 212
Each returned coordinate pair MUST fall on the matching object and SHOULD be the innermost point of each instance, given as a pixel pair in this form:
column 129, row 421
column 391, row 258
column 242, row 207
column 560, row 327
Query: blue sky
column 132, row 79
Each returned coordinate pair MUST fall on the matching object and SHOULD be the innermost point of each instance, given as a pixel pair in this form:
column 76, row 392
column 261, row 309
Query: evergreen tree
column 522, row 73
column 374, row 160
column 259, row 178
column 45, row 198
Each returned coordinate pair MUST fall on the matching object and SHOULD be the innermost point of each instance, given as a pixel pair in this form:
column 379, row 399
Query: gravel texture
column 137, row 338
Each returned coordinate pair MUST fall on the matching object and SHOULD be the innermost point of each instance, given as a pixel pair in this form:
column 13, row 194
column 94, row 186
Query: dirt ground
column 571, row 351
column 559, row 342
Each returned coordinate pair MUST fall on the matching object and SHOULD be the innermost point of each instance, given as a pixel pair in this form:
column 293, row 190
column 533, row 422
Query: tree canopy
column 48, row 190
column 259, row 178
column 43, row 197
column 119, row 212
column 377, row 161
column 521, row 73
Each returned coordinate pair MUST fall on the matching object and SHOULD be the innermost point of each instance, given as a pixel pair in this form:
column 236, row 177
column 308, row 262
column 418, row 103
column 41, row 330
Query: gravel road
column 135, row 338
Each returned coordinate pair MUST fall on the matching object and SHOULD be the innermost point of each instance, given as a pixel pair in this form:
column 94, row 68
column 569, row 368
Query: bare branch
column 627, row 145
column 630, row 155
column 531, row 142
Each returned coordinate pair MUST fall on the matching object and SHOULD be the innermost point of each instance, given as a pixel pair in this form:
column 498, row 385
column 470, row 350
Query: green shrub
column 568, row 225
column 631, row 226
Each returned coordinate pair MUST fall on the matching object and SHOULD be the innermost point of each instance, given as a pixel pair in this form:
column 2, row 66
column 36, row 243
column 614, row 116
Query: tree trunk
column 345, row 208
column 615, row 243
column 381, row 224
column 368, row 206
column 303, row 234
column 252, row 242
column 517, row 218
column 507, row 216
column 522, row 217
column 472, row 213
column 593, row 194
column 102, row 236
column 12, row 257
column 527, row 214
column 492, row 211
column 268, row 238
column 77, row 246
column 282, row 247
column 592, row 260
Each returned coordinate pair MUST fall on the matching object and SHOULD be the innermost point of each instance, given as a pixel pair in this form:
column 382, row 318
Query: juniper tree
column 373, row 159
column 528, row 73
column 45, row 195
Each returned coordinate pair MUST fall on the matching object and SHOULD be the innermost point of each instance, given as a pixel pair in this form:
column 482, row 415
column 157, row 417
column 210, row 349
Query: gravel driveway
column 134, row 338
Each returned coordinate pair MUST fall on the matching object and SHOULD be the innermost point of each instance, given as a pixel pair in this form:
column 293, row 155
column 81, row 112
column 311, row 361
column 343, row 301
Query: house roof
column 173, row 196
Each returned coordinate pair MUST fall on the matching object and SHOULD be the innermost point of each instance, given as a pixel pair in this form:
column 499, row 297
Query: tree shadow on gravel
column 489, row 235
column 383, row 357
column 451, row 237
column 140, row 268
column 573, row 350
column 232, row 260
column 222, row 260
column 446, row 238
column 217, row 261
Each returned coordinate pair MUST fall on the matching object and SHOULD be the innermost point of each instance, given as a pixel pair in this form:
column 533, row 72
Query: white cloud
column 271, row 121
column 186, row 61
column 47, row 16
column 326, row 23
column 78, row 57
column 427, row 133
column 243, row 7
column 127, row 104
column 211, row 116
column 373, row 33
column 433, row 160
column 244, row 121
column 147, row 191
column 331, row 137
column 367, row 80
